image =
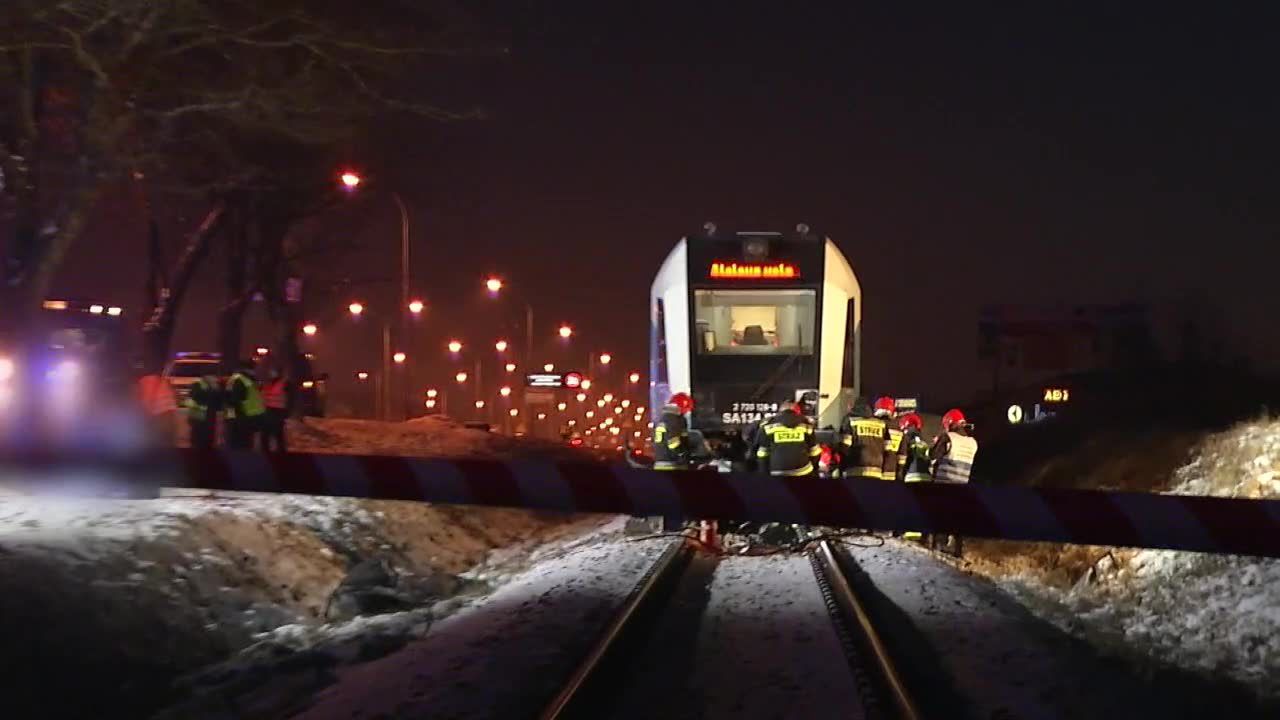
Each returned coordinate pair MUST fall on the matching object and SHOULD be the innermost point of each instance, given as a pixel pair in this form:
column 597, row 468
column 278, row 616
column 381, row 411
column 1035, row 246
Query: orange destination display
column 754, row 271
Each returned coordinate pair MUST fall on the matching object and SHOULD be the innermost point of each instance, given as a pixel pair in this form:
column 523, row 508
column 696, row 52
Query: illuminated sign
column 572, row 380
column 906, row 404
column 744, row 413
column 544, row 380
column 1015, row 414
column 754, row 271
column 1057, row 395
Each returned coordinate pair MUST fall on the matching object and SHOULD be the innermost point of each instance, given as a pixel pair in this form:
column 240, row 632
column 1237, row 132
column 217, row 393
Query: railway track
column 705, row 636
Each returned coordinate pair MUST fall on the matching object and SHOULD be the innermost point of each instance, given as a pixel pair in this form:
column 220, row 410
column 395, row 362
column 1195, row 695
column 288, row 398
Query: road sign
column 544, row 380
column 1015, row 414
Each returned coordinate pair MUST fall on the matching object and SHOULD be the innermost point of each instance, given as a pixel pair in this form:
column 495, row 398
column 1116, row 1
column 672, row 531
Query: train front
column 746, row 322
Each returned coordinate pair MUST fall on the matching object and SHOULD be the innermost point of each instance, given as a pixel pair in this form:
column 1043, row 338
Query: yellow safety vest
column 253, row 405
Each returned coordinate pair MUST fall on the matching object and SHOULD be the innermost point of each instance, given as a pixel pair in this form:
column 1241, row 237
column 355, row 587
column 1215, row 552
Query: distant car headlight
column 7, row 369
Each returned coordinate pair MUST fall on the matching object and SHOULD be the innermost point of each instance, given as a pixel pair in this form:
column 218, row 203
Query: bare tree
column 100, row 89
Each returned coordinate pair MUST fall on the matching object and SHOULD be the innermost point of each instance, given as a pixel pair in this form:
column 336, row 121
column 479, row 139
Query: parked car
column 187, row 367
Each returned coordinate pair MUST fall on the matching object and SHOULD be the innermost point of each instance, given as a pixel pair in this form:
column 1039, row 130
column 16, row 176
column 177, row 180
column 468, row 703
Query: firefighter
column 275, row 397
column 243, row 408
column 953, row 454
column 201, row 407
column 893, row 443
column 788, row 446
column 671, row 440
column 864, row 433
column 914, row 454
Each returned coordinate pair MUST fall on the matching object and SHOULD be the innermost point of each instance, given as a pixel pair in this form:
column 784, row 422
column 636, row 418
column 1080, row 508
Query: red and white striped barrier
column 1181, row 522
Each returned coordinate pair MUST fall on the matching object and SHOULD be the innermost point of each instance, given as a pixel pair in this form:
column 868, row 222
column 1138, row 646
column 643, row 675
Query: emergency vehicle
column 747, row 322
column 68, row 384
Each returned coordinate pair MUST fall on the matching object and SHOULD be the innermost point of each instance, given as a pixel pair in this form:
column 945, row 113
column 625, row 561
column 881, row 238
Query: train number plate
column 743, row 413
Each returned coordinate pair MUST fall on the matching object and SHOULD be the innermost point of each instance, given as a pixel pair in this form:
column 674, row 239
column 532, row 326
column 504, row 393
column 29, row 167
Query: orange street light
column 455, row 347
column 500, row 346
column 505, row 391
column 432, row 392
column 493, row 284
column 355, row 308
column 605, row 358
column 561, row 406
column 566, row 332
column 581, row 396
column 416, row 306
column 350, row 180
column 548, row 367
column 430, row 403
column 511, row 367
column 310, row 329
column 590, row 414
column 479, row 404
column 634, row 378
column 263, row 351
column 399, row 357
column 362, row 375
column 542, row 416
column 625, row 403
column 513, row 412
column 460, row 377
column 608, row 397
column 586, row 384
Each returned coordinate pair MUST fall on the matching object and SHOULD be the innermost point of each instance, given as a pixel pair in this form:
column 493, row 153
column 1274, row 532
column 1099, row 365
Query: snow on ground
column 430, row 436
column 113, row 599
column 501, row 656
column 1213, row 614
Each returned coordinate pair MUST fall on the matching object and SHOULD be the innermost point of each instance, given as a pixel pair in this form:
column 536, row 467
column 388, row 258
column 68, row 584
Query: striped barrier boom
column 1089, row 517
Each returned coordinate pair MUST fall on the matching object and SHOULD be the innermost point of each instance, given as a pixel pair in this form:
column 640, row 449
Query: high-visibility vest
column 252, row 404
column 273, row 394
column 196, row 411
column 956, row 465
column 156, row 395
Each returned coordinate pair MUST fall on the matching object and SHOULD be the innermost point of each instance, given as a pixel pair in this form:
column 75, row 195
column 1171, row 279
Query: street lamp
column 310, row 329
column 416, row 306
column 590, row 414
column 500, row 346
column 460, row 377
column 479, row 404
column 600, row 403
column 586, row 384
column 493, row 285
column 355, row 308
column 362, row 376
column 608, row 397
column 505, row 391
column 605, row 358
column 263, row 351
column 633, row 378
column 549, row 367
column 581, row 396
column 625, row 403
column 542, row 416
column 350, row 180
column 511, row 367
column 399, row 358
column 513, row 412
column 566, row 332
column 617, row 411
column 561, row 406
column 455, row 347
column 432, row 393
column 430, row 403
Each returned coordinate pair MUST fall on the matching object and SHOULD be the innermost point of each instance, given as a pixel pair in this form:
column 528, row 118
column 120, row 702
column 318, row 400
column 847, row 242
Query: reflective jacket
column 893, row 458
column 788, row 446
column 243, row 398
column 954, row 454
column 156, row 395
column 863, row 442
column 202, row 402
column 914, row 453
column 275, row 394
column 671, row 443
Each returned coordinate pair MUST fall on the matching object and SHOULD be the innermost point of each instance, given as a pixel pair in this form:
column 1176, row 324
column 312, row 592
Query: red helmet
column 953, row 418
column 682, row 401
column 797, row 408
column 910, row 420
column 884, row 406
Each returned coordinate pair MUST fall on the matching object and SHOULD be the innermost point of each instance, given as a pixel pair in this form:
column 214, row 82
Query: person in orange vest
column 161, row 407
column 275, row 396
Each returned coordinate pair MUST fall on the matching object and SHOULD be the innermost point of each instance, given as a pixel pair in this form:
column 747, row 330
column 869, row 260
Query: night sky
column 959, row 158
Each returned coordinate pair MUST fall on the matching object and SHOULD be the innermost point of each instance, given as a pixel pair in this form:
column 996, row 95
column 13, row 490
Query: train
column 743, row 323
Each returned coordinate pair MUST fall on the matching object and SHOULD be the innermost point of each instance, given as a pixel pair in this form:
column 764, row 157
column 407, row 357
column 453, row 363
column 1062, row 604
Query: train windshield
column 755, row 322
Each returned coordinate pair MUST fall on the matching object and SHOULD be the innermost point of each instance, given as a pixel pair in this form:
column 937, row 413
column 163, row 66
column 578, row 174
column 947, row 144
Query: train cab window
column 755, row 322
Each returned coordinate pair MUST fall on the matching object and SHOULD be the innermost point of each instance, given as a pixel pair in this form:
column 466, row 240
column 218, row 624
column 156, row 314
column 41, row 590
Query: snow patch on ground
column 1216, row 614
